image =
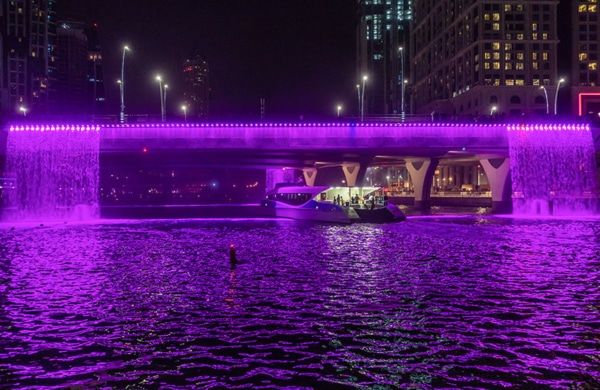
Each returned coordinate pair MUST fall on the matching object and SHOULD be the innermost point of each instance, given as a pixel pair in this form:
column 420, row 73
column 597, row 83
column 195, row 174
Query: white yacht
column 308, row 203
column 330, row 204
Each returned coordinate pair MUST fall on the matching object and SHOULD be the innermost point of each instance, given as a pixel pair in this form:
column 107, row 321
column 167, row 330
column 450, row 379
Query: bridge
column 310, row 146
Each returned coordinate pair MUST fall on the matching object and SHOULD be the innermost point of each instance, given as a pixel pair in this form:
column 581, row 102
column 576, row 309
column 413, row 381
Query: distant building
column 27, row 63
column 383, row 30
column 95, row 72
column 579, row 48
column 197, row 87
column 79, row 84
column 474, row 55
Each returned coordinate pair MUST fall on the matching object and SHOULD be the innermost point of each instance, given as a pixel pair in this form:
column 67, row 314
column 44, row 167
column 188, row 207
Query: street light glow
column 365, row 78
column 158, row 78
column 23, row 110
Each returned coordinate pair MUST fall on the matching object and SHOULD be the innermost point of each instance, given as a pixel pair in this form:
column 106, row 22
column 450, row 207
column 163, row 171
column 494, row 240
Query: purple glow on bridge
column 55, row 170
column 549, row 127
column 44, row 128
column 544, row 168
column 553, row 174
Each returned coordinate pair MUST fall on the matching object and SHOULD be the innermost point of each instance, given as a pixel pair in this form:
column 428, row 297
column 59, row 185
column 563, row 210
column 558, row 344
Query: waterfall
column 55, row 171
column 553, row 170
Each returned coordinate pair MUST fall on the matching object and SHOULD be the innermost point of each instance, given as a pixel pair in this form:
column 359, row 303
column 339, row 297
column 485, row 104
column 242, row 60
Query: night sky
column 298, row 54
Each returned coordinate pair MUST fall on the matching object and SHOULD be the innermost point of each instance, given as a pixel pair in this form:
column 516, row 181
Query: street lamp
column 358, row 92
column 547, row 102
column 402, row 87
column 159, row 79
column 339, row 109
column 122, row 84
column 165, row 103
column 362, row 100
column 23, row 110
column 493, row 110
column 561, row 81
column 184, row 108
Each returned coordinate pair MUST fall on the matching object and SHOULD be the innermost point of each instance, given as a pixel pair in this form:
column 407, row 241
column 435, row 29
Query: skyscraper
column 27, row 61
column 197, row 87
column 383, row 53
column 476, row 57
column 579, row 59
column 79, row 71
column 71, row 85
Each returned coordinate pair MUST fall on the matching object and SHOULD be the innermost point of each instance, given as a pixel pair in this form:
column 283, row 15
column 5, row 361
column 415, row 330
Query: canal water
column 449, row 302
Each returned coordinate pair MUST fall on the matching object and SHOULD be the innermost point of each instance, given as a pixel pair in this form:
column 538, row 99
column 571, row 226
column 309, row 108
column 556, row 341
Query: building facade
column 579, row 32
column 197, row 86
column 383, row 53
column 27, row 65
column 475, row 58
column 79, row 70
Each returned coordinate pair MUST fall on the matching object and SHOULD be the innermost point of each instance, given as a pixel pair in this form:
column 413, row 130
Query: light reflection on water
column 432, row 302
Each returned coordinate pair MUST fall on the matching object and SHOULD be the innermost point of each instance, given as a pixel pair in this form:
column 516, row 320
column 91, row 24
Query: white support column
column 421, row 173
column 498, row 175
column 351, row 171
column 310, row 176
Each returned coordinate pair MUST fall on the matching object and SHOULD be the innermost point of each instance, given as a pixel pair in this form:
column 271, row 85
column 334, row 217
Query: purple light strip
column 50, row 128
column 520, row 127
column 550, row 127
column 195, row 125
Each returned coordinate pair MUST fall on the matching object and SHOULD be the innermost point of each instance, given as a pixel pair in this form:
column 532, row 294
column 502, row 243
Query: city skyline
column 255, row 51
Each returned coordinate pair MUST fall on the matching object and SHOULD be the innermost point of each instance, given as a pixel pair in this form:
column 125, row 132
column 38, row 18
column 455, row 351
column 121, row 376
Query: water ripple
column 429, row 303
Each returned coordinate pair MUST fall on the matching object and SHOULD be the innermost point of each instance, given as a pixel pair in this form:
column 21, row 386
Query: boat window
column 291, row 199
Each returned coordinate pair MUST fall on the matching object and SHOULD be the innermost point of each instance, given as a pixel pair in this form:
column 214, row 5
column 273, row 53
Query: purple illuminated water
column 56, row 175
column 451, row 303
column 553, row 172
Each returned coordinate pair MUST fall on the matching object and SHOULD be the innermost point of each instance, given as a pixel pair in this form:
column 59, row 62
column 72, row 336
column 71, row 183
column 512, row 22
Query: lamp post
column 493, row 110
column 402, row 87
column 362, row 99
column 166, row 87
column 184, row 108
column 358, row 92
column 560, row 82
column 543, row 88
column 23, row 110
column 162, row 100
column 339, row 109
column 122, row 84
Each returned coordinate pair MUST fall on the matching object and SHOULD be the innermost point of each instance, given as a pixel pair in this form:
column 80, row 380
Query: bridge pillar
column 498, row 175
column 351, row 171
column 421, row 173
column 279, row 176
column 310, row 176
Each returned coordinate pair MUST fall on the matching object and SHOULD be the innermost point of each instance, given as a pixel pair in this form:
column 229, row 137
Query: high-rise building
column 95, row 71
column 579, row 48
column 382, row 32
column 79, row 72
column 482, row 57
column 71, row 52
column 27, row 55
column 197, row 87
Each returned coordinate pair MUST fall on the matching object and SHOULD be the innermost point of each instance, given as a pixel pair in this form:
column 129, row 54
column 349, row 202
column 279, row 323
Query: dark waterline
column 433, row 302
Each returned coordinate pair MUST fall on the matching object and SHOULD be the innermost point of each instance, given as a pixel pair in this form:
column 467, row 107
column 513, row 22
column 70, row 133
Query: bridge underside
column 288, row 159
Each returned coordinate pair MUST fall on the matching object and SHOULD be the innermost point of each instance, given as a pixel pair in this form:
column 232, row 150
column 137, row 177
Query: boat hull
column 390, row 213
